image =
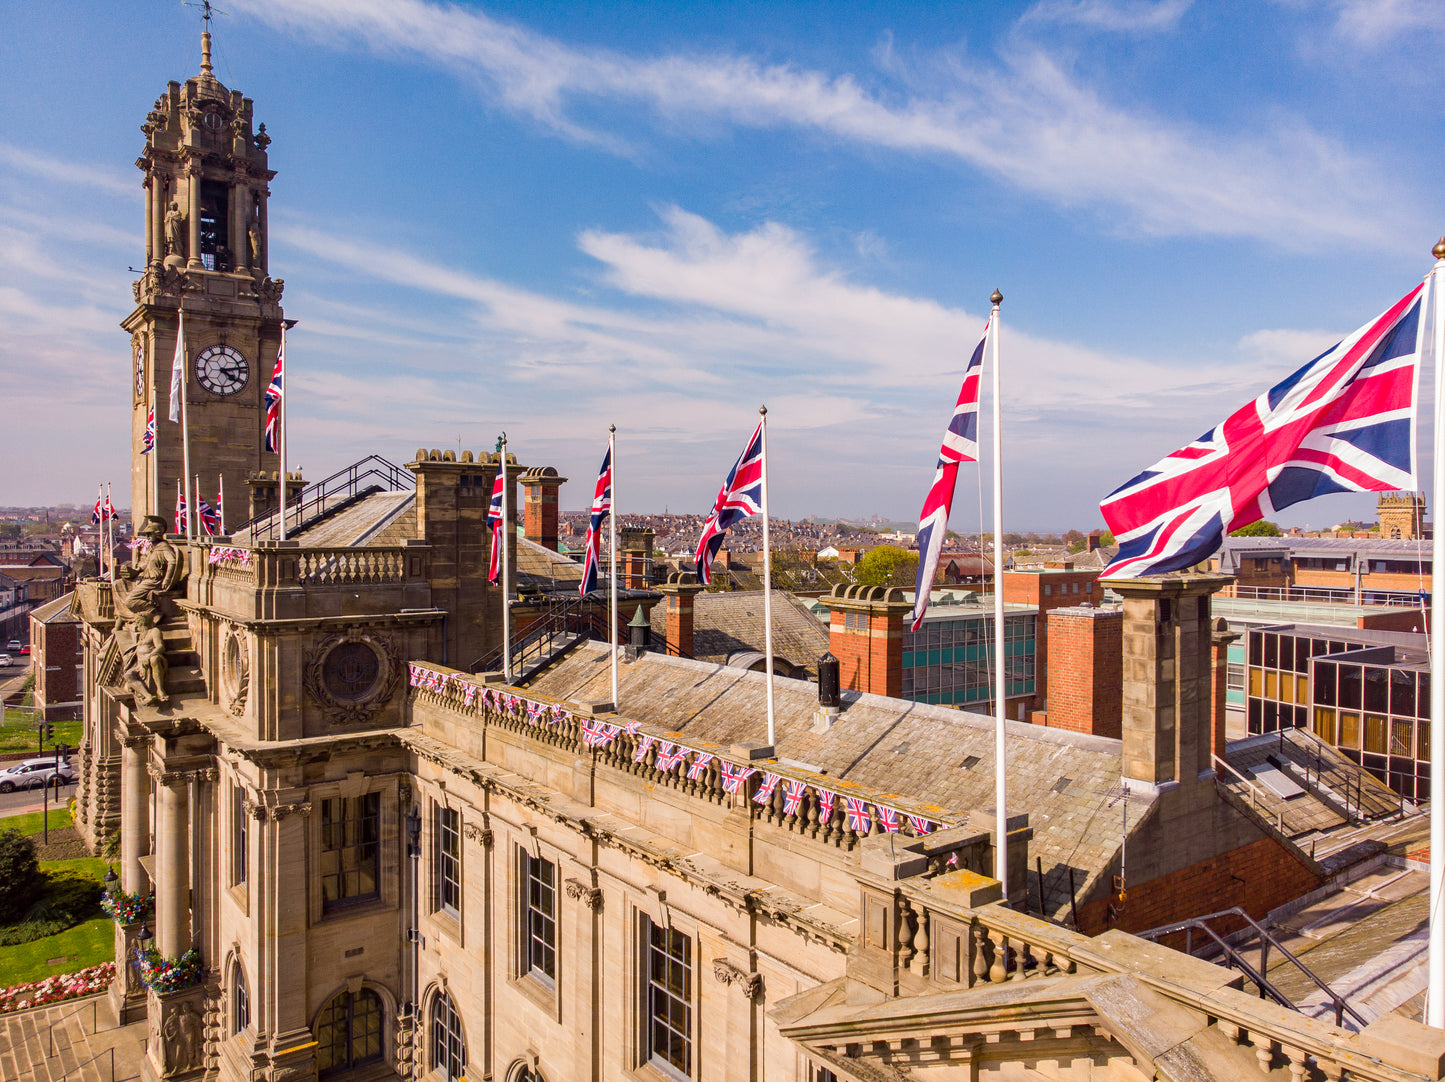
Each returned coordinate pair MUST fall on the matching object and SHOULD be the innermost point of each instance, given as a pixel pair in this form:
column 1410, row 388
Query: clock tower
column 206, row 184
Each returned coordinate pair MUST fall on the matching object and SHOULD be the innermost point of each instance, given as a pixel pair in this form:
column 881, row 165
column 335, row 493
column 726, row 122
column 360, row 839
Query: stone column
column 265, row 232
column 279, row 999
column 135, row 796
column 149, row 184
column 240, row 239
column 157, row 214
column 173, row 933
column 193, row 217
column 1219, row 642
column 582, row 920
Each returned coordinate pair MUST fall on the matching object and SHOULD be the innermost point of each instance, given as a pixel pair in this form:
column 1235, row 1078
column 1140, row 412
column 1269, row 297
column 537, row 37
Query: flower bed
column 54, row 989
column 126, row 908
column 164, row 975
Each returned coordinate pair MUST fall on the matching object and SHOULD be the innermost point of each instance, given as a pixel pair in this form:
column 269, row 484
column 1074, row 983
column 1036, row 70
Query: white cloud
column 1027, row 123
column 81, row 174
column 1378, row 22
column 1120, row 16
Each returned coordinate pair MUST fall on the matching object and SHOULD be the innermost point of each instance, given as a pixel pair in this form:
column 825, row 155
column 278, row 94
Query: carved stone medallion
column 235, row 670
column 352, row 674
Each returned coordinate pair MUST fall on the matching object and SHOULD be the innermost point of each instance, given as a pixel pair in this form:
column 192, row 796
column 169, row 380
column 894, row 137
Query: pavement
column 76, row 1040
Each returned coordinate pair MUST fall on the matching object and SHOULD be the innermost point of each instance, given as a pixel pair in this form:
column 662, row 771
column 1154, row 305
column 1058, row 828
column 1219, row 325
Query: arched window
column 240, row 1000
column 448, row 1044
column 348, row 1032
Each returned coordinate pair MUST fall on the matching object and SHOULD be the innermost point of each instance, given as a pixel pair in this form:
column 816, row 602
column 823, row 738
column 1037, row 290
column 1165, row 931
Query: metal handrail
column 343, row 484
column 1236, row 957
column 1253, row 789
column 560, row 620
column 1351, row 771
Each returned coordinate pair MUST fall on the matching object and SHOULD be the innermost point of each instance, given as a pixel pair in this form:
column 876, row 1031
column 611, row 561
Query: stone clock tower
column 206, row 184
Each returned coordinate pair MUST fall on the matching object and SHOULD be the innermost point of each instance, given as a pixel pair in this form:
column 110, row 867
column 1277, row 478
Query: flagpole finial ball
column 611, row 428
column 997, row 297
column 763, row 410
column 1439, row 250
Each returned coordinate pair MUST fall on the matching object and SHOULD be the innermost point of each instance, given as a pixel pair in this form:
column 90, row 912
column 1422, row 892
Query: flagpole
column 155, row 459
column 107, row 522
column 281, row 423
column 221, row 502
column 504, row 540
column 612, row 558
column 1435, row 988
column 1000, row 791
column 767, row 581
column 100, row 529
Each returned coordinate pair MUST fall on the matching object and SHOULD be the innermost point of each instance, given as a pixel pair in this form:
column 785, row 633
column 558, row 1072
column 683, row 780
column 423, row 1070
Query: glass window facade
column 350, row 850
column 448, row 1046
column 348, row 1032
column 449, row 861
column 668, row 1007
column 950, row 661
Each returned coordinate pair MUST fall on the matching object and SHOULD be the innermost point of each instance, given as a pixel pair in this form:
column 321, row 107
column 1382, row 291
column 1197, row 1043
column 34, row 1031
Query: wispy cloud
column 81, row 174
column 1118, row 16
column 1028, row 122
column 1378, row 22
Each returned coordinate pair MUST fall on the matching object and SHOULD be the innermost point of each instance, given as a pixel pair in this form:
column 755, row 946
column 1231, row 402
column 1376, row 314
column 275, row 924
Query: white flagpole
column 186, row 438
column 767, row 582
column 1000, row 758
column 506, row 561
column 107, row 523
column 1435, row 988
column 221, row 502
column 155, row 459
column 612, row 550
column 281, row 423
column 100, row 530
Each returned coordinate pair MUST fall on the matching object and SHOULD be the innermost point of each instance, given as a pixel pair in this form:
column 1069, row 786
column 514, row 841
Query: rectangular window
column 668, row 1007
column 449, row 861
column 238, row 835
column 1325, row 724
column 1375, row 733
column 1350, row 731
column 350, row 850
column 539, row 924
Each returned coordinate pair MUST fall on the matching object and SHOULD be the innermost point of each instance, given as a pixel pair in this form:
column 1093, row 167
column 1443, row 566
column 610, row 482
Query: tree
column 1258, row 529
column 20, row 878
column 887, row 565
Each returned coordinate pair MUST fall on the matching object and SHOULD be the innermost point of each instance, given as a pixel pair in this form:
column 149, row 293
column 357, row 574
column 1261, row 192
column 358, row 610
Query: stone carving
column 481, row 835
column 253, row 234
column 181, row 1039
column 261, row 140
column 352, row 674
column 161, row 572
column 235, row 671
column 175, row 231
column 157, row 281
column 581, row 892
column 270, row 290
column 749, row 984
column 146, row 672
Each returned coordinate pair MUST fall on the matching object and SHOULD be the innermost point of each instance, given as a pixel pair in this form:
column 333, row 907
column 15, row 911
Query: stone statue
column 146, row 675
column 253, row 231
column 160, row 572
column 175, row 231
column 182, row 1034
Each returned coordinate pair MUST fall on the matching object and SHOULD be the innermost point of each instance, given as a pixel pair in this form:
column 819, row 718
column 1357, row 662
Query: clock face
column 140, row 369
column 222, row 370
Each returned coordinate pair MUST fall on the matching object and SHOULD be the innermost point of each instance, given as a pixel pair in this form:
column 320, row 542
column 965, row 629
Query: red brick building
column 56, row 660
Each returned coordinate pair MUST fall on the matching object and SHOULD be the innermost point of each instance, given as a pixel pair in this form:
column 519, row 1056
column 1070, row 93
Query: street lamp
column 111, row 879
column 144, row 938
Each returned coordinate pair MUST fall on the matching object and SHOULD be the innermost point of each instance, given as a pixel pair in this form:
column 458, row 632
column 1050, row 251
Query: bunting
column 793, row 797
column 733, row 776
column 643, row 747
column 858, row 817
column 765, row 790
column 699, row 766
column 669, row 755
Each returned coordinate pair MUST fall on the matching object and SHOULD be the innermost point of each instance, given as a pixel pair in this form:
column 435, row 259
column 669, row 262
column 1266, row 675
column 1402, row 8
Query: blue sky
column 549, row 217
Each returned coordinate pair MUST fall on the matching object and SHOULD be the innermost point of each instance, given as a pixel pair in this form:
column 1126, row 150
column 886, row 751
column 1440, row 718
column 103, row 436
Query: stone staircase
column 184, row 678
column 76, row 1040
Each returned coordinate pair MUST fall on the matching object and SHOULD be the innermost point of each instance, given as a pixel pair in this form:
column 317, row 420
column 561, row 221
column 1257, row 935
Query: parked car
column 33, row 773
column 5, row 659
column 13, row 644
column 25, row 650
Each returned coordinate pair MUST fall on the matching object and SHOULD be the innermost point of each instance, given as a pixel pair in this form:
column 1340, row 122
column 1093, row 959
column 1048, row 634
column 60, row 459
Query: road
column 31, row 800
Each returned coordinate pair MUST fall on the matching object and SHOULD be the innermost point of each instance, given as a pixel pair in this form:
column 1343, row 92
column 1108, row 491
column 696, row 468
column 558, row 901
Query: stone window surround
column 428, row 1037
column 524, row 840
column 638, row 909
column 453, row 916
column 643, row 924
column 391, row 845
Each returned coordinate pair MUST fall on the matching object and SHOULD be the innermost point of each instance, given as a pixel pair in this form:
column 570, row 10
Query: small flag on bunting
column 888, row 818
column 699, row 766
column 765, row 790
column 858, row 818
column 921, row 826
column 825, row 805
column 733, row 776
column 793, row 797
column 669, row 755
column 643, row 747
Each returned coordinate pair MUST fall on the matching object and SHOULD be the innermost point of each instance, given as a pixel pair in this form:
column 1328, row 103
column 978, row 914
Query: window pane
column 1350, row 690
column 1375, row 733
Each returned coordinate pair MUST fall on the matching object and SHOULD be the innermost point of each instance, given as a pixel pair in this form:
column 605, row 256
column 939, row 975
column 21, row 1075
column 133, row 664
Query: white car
column 33, row 773
column 5, row 659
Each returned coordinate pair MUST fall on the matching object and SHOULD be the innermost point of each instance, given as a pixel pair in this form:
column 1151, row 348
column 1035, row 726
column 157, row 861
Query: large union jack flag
column 494, row 520
column 960, row 444
column 207, row 519
column 274, row 394
column 1345, row 422
column 740, row 497
column 148, row 441
column 601, row 508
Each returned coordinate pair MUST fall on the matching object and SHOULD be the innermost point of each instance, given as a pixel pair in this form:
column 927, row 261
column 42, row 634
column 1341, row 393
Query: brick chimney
column 540, row 522
column 679, row 590
column 1086, row 670
column 634, row 554
column 865, row 634
column 1093, row 541
column 1168, row 679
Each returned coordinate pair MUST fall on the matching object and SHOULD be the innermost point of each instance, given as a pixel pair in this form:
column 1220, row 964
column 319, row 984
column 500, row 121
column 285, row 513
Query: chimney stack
column 679, row 590
column 540, row 524
column 866, row 635
column 1086, row 680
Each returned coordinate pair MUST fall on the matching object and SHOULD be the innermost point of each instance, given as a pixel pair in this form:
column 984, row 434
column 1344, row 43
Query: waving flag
column 148, row 441
column 97, row 513
column 178, row 367
column 275, row 391
column 207, row 518
column 181, row 521
column 1345, row 422
column 766, row 788
column 494, row 520
column 960, row 444
column 793, row 797
column 601, row 508
column 740, row 497
column 733, row 775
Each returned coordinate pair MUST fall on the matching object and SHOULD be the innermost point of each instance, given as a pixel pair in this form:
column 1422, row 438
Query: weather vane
column 207, row 11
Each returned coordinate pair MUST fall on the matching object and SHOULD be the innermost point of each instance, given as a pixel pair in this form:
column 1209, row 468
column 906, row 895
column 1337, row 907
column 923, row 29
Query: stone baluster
column 999, row 970
column 981, row 950
column 1297, row 1064
column 1023, row 954
column 920, row 942
column 1263, row 1050
column 907, row 925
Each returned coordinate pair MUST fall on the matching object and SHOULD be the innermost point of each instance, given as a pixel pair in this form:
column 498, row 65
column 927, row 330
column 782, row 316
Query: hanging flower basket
column 126, row 908
column 165, row 975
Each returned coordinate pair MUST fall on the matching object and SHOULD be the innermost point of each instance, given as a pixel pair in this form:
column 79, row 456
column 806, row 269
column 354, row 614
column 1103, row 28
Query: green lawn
column 31, row 822
column 18, row 734
column 85, row 945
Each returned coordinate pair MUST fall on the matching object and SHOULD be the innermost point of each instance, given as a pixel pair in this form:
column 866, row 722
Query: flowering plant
column 126, row 908
column 163, row 975
column 54, row 989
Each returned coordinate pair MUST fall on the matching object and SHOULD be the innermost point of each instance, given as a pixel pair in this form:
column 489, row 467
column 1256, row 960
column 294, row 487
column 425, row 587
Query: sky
column 549, row 217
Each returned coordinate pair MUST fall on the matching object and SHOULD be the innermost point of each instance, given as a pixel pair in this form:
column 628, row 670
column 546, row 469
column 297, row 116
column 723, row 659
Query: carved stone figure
column 253, row 231
column 182, row 1036
column 160, row 572
column 146, row 675
column 175, row 231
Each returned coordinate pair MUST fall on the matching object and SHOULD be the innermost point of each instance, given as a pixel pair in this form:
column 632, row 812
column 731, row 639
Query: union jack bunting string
column 469, row 693
column 226, row 554
column 643, row 747
column 765, row 790
column 413, row 675
column 699, row 766
column 858, row 818
column 888, row 818
column 793, row 797
column 142, row 545
column 559, row 715
column 953, row 859
column 669, row 755
column 597, row 735
column 632, row 728
column 535, row 712
column 733, row 776
column 921, row 826
column 825, row 805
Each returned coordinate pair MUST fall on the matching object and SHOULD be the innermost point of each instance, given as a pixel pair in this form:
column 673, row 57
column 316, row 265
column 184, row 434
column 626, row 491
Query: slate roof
column 731, row 623
column 924, row 755
column 382, row 518
column 541, row 566
column 56, row 612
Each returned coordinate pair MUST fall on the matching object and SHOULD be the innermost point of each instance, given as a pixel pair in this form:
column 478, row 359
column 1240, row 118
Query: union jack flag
column 536, row 712
column 274, row 394
column 766, row 787
column 888, row 818
column 643, row 747
column 669, row 755
column 599, row 734
column 858, row 818
column 148, row 441
column 953, row 859
column 825, row 805
column 97, row 513
column 632, row 728
column 469, row 694
column 181, row 520
column 208, row 519
column 494, row 520
column 601, row 508
column 960, row 444
column 921, row 826
column 699, row 766
column 1345, row 422
column 793, row 797
column 413, row 673
column 740, row 497
column 733, row 776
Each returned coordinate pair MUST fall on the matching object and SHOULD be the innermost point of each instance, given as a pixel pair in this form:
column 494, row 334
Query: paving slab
column 74, row 1040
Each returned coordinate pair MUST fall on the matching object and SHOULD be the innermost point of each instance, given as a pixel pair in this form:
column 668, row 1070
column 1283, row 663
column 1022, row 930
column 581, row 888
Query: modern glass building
column 949, row 660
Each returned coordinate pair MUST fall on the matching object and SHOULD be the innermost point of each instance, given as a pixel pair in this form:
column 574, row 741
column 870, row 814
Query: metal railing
column 1256, row 794
column 1324, row 765
column 562, row 622
column 1235, row 959
column 369, row 475
column 1332, row 595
